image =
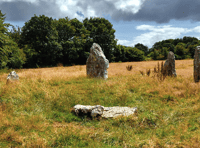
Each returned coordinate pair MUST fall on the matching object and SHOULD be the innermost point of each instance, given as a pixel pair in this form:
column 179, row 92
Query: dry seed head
column 162, row 67
column 142, row 72
column 148, row 72
column 158, row 67
column 129, row 67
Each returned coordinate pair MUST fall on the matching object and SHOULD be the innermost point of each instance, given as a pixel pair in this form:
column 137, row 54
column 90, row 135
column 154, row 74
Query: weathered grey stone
column 97, row 111
column 105, row 112
column 12, row 77
column 85, row 109
column 97, row 64
column 112, row 112
column 169, row 65
column 197, row 64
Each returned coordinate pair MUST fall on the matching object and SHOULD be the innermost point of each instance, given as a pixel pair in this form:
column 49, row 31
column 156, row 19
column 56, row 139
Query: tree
column 191, row 50
column 155, row 54
column 73, row 37
column 169, row 46
column 142, row 48
column 80, row 41
column 157, row 45
column 176, row 41
column 40, row 34
column 101, row 32
column 189, row 39
column 15, row 34
column 120, row 53
column 134, row 54
column 165, row 52
column 10, row 55
column 180, row 51
column 65, row 34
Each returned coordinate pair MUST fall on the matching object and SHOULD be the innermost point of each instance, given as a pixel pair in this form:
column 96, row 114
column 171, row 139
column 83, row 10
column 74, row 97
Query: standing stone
column 197, row 64
column 12, row 77
column 97, row 64
column 169, row 65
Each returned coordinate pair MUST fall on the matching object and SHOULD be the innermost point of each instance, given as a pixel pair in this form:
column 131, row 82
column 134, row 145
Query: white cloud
column 123, row 42
column 133, row 5
column 197, row 29
column 64, row 8
column 89, row 8
column 157, row 33
column 89, row 12
column 145, row 27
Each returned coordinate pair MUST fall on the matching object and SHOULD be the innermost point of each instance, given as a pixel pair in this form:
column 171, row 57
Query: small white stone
column 13, row 76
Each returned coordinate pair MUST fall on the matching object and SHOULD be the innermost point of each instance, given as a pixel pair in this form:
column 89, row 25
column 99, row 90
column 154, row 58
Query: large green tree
column 73, row 37
column 40, row 36
column 15, row 33
column 120, row 53
column 10, row 54
column 65, row 34
column 134, row 54
column 101, row 32
column 142, row 48
column 180, row 51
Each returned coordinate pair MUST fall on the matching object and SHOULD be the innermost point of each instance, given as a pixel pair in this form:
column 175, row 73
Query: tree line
column 45, row 42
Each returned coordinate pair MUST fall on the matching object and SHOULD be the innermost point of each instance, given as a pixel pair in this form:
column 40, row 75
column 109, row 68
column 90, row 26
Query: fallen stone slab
column 104, row 112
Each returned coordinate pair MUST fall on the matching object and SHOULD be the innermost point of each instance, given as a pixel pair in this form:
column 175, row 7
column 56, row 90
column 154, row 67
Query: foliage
column 15, row 34
column 10, row 54
column 134, row 54
column 120, row 53
column 101, row 32
column 73, row 37
column 182, row 48
column 40, row 34
column 124, row 54
column 155, row 54
column 180, row 51
column 142, row 48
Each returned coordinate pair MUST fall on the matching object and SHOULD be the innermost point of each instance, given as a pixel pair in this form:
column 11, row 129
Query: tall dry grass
column 35, row 111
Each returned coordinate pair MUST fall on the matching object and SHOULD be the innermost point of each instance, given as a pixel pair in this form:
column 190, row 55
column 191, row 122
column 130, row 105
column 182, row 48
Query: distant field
column 183, row 68
column 36, row 111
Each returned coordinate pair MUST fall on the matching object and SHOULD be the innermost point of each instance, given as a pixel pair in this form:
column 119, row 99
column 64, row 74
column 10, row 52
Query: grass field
column 36, row 110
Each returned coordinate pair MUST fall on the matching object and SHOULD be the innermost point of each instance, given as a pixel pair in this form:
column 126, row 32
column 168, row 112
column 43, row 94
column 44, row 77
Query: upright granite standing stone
column 169, row 65
column 12, row 77
column 197, row 64
column 97, row 64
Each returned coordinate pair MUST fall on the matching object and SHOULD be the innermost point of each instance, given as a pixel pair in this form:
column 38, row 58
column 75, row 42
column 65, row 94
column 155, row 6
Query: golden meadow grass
column 36, row 111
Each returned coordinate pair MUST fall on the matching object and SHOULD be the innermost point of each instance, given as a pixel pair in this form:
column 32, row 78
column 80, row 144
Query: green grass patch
column 37, row 112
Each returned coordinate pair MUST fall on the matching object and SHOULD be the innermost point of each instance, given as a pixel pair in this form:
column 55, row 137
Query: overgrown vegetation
column 35, row 111
column 159, row 72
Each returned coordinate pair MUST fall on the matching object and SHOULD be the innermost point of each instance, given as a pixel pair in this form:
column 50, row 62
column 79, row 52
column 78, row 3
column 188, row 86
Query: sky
column 135, row 21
